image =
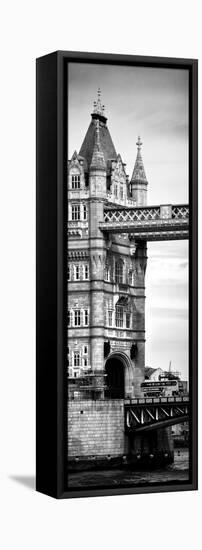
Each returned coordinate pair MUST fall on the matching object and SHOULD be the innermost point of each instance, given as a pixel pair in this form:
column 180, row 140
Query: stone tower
column 106, row 276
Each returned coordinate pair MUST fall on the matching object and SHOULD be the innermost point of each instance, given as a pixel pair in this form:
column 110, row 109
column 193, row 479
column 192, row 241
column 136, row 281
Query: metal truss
column 164, row 222
column 148, row 414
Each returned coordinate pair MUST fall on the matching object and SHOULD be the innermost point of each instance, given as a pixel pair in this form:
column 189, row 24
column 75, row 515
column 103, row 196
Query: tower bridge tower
column 106, row 272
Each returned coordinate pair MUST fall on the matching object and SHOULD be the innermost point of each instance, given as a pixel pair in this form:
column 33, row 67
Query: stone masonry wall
column 95, row 428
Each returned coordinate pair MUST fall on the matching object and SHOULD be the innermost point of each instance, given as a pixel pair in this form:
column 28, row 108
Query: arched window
column 118, row 271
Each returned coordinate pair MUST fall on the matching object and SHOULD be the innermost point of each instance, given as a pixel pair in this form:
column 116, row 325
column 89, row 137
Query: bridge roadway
column 146, row 414
column 151, row 223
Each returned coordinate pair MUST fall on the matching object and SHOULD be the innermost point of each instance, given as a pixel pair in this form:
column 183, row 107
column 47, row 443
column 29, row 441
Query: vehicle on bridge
column 162, row 388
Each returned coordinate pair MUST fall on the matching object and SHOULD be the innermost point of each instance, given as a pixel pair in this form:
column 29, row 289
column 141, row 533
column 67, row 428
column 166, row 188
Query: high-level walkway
column 151, row 223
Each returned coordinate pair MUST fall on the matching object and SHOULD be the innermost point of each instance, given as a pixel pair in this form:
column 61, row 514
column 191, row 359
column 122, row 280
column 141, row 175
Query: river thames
column 176, row 472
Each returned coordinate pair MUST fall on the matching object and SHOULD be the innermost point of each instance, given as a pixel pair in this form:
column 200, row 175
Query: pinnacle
column 139, row 171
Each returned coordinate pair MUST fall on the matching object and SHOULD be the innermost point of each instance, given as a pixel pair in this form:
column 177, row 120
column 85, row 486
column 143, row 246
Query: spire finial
column 139, row 171
column 139, row 143
column 98, row 107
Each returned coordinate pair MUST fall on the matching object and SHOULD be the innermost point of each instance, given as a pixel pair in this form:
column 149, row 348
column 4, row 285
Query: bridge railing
column 155, row 400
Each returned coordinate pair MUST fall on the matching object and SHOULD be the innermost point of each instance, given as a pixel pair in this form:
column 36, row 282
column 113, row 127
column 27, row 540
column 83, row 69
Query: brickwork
column 95, row 428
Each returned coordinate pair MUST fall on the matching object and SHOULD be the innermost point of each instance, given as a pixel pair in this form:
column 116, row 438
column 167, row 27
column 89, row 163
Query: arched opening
column 115, row 380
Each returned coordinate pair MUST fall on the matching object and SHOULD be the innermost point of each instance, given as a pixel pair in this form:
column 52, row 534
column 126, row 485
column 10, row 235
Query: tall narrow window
column 85, row 212
column 76, row 182
column 118, row 272
column 127, row 319
column 76, row 359
column 68, row 273
column 121, row 191
column 69, row 318
column 119, row 316
column 76, row 272
column 107, row 273
column 110, row 318
column 85, row 349
column 130, row 277
column 77, row 317
column 116, row 190
column 86, row 271
column 86, row 317
column 76, row 212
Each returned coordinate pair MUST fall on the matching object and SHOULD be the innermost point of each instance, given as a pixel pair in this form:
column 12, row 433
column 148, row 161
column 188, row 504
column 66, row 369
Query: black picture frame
column 51, row 133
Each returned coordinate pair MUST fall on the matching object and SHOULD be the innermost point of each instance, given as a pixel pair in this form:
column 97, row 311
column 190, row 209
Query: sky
column 152, row 103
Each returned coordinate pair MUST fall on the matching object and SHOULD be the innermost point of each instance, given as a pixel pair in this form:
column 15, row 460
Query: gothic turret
column 139, row 181
column 105, row 139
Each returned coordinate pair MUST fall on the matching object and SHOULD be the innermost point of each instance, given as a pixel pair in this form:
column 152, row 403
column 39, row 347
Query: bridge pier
column 98, row 438
column 151, row 449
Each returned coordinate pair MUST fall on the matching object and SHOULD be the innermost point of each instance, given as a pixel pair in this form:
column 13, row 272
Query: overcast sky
column 152, row 103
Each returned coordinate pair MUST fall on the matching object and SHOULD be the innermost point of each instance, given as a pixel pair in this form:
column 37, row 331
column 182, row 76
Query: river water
column 176, row 472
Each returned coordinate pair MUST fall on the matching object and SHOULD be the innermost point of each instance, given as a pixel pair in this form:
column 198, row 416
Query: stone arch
column 119, row 379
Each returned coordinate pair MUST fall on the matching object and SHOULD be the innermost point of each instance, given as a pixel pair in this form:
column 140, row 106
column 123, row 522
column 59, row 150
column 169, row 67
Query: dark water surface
column 176, row 472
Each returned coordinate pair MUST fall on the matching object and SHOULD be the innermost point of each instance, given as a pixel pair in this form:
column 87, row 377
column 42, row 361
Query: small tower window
column 86, row 317
column 77, row 317
column 130, row 277
column 110, row 318
column 118, row 272
column 76, row 182
column 86, row 271
column 127, row 320
column 76, row 212
column 85, row 212
column 107, row 272
column 76, row 359
column 85, row 349
column 76, row 272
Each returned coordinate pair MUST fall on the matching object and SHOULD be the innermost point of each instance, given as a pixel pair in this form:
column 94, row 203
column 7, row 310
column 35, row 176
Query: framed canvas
column 116, row 274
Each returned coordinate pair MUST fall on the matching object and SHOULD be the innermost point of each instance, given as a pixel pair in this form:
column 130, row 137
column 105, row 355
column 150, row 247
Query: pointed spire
column 139, row 175
column 98, row 107
column 98, row 160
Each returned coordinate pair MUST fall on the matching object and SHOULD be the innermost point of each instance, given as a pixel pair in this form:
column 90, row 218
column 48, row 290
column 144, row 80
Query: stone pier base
column 97, row 439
